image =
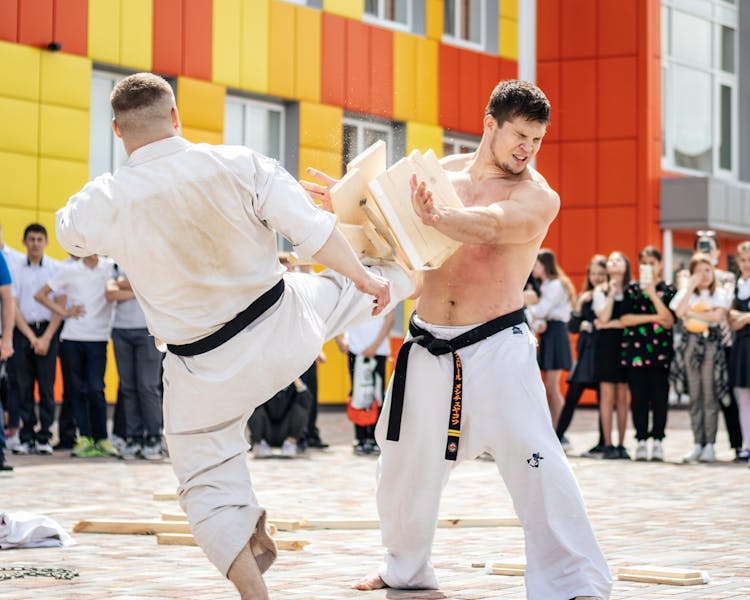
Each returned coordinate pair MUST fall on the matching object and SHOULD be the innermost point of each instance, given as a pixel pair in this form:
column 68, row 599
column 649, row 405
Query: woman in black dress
column 739, row 366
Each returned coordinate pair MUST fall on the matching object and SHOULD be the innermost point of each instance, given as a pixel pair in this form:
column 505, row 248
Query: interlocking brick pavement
column 690, row 516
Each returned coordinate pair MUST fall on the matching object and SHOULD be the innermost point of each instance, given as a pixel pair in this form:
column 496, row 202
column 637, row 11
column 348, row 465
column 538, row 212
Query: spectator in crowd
column 551, row 315
column 311, row 437
column 647, row 352
column 613, row 388
column 7, row 311
column 707, row 243
column 367, row 347
column 139, row 369
column 739, row 368
column 700, row 365
column 582, row 375
column 85, row 345
column 280, row 422
column 35, row 341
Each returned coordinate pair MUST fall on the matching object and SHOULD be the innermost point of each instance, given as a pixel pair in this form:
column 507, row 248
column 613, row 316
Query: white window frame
column 117, row 149
column 721, row 16
column 458, row 140
column 381, row 20
column 269, row 106
column 454, row 40
column 362, row 124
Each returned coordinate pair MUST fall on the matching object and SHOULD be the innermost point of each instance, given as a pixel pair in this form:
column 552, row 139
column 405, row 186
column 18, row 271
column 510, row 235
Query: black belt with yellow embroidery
column 436, row 347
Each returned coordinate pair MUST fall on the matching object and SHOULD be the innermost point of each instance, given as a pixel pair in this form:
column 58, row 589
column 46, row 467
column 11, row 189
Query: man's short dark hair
column 139, row 91
column 515, row 98
column 35, row 228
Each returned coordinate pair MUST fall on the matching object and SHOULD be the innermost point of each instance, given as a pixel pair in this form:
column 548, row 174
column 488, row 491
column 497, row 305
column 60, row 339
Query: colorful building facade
column 313, row 82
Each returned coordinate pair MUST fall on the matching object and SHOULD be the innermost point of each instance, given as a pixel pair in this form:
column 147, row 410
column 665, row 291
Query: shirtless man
column 194, row 226
column 484, row 389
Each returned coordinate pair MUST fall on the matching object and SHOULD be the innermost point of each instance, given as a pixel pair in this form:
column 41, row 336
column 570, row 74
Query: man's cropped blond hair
column 141, row 98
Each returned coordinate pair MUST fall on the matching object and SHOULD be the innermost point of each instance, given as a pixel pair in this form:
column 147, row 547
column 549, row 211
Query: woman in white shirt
column 699, row 367
column 551, row 315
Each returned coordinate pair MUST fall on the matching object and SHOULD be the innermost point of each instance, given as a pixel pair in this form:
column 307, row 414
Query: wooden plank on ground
column 173, row 516
column 443, row 522
column 508, row 566
column 132, row 527
column 176, row 539
column 286, row 524
column 448, row 522
column 165, row 496
column 663, row 575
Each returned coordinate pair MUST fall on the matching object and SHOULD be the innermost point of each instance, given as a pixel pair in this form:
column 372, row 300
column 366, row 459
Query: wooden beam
column 165, row 496
column 173, row 516
column 177, row 539
column 510, row 566
column 125, row 526
column 448, row 522
column 663, row 575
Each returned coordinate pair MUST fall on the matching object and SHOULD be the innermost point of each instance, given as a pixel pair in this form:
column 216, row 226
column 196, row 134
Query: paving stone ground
column 672, row 515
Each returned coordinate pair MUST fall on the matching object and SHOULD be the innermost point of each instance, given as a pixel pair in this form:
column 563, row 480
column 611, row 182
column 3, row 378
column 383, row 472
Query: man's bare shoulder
column 536, row 192
column 456, row 162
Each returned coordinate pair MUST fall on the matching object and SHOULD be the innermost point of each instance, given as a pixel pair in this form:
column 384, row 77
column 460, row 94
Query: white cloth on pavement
column 28, row 530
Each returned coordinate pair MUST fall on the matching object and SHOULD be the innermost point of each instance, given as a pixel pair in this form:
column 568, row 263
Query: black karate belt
column 436, row 347
column 233, row 327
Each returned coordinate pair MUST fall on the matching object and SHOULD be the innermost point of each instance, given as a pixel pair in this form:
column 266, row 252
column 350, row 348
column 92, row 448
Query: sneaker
column 360, row 449
column 316, row 442
column 641, row 452
column 45, row 448
column 657, row 451
column 708, row 455
column 566, row 445
column 23, row 448
column 117, row 442
column 262, row 450
column 85, row 448
column 371, row 447
column 289, row 449
column 611, row 453
column 693, row 455
column 106, row 447
column 4, row 466
column 622, row 453
column 741, row 455
column 152, row 451
column 595, row 452
column 130, row 451
column 12, row 442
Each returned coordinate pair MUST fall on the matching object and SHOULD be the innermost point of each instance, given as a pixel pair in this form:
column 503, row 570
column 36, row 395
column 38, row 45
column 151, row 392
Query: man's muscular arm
column 523, row 217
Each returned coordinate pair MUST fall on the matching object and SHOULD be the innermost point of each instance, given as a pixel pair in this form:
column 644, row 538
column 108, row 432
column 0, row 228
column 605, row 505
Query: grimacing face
column 516, row 143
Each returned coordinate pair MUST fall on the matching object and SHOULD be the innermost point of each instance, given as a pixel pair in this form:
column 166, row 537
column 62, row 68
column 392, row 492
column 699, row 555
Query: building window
column 391, row 13
column 459, row 145
column 699, row 87
column 463, row 22
column 360, row 135
column 256, row 124
column 106, row 152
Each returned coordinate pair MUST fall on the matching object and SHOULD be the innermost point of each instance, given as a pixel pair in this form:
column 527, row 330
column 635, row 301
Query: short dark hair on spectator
column 706, row 236
column 651, row 251
column 35, row 228
column 515, row 98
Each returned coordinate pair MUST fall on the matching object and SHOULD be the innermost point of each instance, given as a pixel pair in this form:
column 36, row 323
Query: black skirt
column 607, row 366
column 739, row 359
column 554, row 347
column 584, row 371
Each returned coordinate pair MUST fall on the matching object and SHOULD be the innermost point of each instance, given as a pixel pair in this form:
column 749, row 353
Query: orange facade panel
column 616, row 30
column 548, row 164
column 9, row 20
column 578, row 241
column 381, row 72
column 616, row 230
column 168, row 36
column 578, row 23
column 616, row 97
column 548, row 79
column 548, row 30
column 333, row 88
column 577, row 158
column 197, row 16
column 468, row 84
column 618, row 176
column 577, row 113
column 35, row 22
column 356, row 72
column 69, row 26
column 449, row 92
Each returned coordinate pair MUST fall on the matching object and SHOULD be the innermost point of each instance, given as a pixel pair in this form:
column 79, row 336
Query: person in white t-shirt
column 700, row 366
column 85, row 339
column 368, row 347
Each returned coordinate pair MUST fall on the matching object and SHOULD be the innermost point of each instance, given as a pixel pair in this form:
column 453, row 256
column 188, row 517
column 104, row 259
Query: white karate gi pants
column 505, row 413
column 208, row 399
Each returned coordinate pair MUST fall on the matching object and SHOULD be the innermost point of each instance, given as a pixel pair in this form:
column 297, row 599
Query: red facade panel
column 168, row 37
column 578, row 29
column 70, row 25
column 617, row 231
column 577, row 113
column 471, row 109
column 9, row 20
column 577, row 238
column 617, row 31
column 508, row 68
column 449, row 90
column 357, row 93
column 618, row 163
column 35, row 22
column 617, row 97
column 489, row 76
column 381, row 72
column 548, row 79
column 548, row 30
column 197, row 16
column 578, row 173
column 333, row 82
column 548, row 163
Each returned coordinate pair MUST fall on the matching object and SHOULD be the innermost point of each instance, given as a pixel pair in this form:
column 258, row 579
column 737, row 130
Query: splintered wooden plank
column 346, row 194
column 176, row 539
column 663, row 575
column 126, row 526
column 165, row 496
column 377, row 219
column 287, row 524
column 447, row 522
column 379, row 244
column 383, row 191
column 664, row 580
column 357, row 239
column 371, row 162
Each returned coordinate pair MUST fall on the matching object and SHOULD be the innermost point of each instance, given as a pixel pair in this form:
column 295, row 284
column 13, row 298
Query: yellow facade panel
column 65, row 80
column 281, row 74
column 434, row 20
column 20, row 126
column 427, row 90
column 64, row 132
column 256, row 19
column 351, row 9
column 19, row 71
column 333, row 376
column 198, row 136
column 58, row 180
column 509, row 9
column 137, row 34
column 18, row 173
column 423, row 137
column 323, row 160
column 308, row 54
column 14, row 221
column 320, row 126
column 201, row 104
column 508, row 38
column 225, row 42
column 104, row 31
column 404, row 76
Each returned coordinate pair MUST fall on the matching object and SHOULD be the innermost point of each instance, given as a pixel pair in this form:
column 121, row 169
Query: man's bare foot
column 370, row 582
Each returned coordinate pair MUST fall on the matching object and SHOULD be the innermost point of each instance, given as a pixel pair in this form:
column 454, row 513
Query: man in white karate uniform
column 194, row 226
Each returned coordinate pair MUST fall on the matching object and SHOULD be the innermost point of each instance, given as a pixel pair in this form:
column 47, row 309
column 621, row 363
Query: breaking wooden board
column 131, row 527
column 370, row 163
column 663, row 575
column 177, row 539
column 165, row 496
column 345, row 196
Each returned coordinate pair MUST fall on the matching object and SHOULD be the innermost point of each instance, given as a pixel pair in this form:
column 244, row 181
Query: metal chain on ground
column 7, row 573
